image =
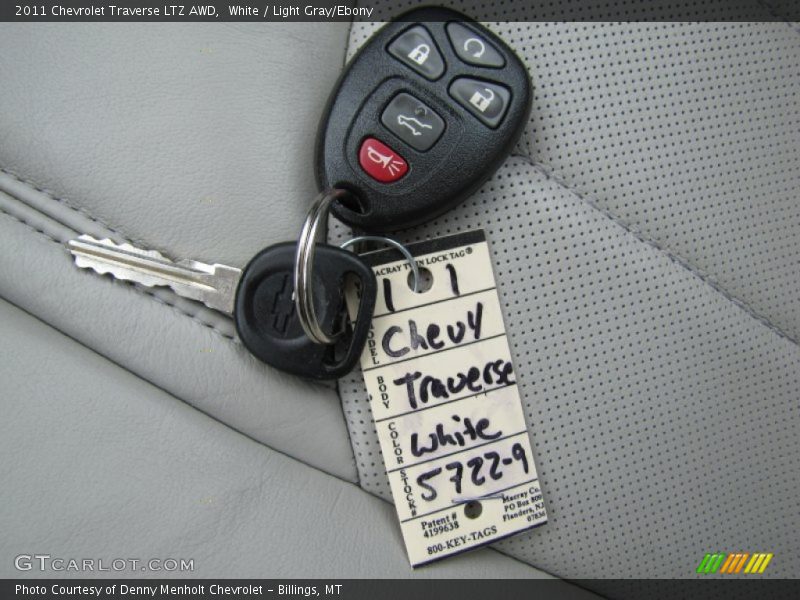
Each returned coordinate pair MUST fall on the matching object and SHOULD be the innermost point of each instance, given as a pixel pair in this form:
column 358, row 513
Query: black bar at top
column 385, row 10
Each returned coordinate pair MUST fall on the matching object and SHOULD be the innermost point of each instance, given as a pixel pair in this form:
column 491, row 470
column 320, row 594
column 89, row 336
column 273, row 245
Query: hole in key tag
column 423, row 283
column 473, row 509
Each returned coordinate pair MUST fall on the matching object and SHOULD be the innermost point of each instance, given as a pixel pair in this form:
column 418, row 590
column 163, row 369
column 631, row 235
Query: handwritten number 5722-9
column 475, row 466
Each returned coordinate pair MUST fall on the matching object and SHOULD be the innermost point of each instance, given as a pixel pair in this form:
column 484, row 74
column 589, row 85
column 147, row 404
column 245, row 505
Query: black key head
column 266, row 318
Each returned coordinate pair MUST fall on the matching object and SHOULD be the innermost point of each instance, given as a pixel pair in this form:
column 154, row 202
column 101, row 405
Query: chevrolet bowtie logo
column 283, row 306
column 734, row 563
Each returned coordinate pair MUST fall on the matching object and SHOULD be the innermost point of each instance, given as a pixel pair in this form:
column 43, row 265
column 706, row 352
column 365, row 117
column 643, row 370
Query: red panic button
column 381, row 162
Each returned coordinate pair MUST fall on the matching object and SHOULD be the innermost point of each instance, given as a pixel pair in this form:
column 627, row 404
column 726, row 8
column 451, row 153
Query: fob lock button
column 413, row 122
column 416, row 49
column 487, row 101
column 381, row 162
column 473, row 48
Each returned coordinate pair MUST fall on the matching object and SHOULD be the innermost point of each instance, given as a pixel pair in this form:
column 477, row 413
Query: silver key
column 213, row 285
column 260, row 298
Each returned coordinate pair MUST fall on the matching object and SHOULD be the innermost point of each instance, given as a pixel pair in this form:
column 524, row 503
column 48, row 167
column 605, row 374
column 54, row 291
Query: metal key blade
column 213, row 285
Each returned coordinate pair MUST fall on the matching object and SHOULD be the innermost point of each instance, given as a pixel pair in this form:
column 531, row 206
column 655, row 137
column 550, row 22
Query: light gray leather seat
column 645, row 245
column 104, row 456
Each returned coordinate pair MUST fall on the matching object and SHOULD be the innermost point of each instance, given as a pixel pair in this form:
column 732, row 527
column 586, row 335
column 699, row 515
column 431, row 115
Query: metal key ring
column 391, row 242
column 304, row 264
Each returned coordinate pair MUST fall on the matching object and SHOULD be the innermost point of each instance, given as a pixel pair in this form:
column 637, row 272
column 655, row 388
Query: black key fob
column 266, row 318
column 424, row 113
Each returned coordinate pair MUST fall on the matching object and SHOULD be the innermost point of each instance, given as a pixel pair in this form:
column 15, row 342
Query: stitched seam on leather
column 349, row 436
column 673, row 257
column 170, row 394
column 555, row 576
column 212, row 417
column 774, row 12
column 62, row 201
column 347, row 42
column 193, row 317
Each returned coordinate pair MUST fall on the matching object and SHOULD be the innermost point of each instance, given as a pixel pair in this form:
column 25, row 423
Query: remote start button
column 381, row 162
column 472, row 48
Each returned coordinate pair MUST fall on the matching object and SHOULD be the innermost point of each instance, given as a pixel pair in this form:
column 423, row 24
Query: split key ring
column 314, row 227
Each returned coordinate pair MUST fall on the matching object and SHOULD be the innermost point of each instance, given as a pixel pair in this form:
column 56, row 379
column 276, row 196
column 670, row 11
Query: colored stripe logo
column 734, row 563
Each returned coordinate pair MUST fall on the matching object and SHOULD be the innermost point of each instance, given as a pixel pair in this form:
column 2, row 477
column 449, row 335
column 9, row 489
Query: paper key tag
column 444, row 398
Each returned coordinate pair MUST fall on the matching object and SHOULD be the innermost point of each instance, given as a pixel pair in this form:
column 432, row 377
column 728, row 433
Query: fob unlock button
column 487, row 101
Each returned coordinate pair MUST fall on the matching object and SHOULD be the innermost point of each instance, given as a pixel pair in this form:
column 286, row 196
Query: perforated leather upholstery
column 195, row 140
column 121, row 469
column 645, row 243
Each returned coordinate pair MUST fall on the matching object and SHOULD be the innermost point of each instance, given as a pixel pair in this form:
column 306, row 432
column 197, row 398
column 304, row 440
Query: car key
column 422, row 116
column 258, row 297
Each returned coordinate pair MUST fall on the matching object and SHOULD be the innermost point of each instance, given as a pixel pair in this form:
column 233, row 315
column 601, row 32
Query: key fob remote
column 266, row 318
column 422, row 116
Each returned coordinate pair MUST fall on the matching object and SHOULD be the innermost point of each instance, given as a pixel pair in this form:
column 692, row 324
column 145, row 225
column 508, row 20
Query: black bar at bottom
column 403, row 589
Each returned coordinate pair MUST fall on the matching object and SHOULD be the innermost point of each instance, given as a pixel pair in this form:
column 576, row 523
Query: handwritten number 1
column 387, row 294
column 453, row 279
